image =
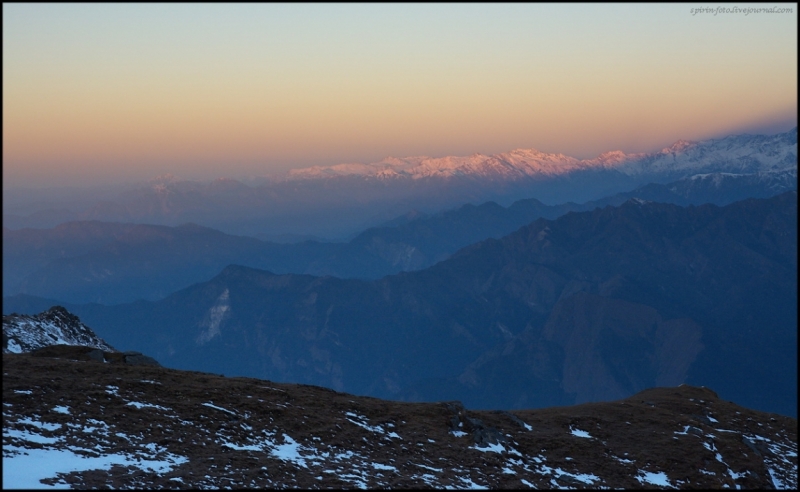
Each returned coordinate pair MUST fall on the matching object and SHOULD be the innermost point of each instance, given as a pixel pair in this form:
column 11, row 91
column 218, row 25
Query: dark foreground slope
column 124, row 426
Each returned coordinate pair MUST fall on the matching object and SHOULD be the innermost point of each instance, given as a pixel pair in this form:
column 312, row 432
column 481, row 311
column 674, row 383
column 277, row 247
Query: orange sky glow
column 102, row 93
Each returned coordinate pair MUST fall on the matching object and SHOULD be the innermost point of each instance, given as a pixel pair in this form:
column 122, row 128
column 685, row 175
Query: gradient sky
column 112, row 92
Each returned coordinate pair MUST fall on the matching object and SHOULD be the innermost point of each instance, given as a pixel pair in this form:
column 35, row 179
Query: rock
column 695, row 431
column 703, row 419
column 97, row 355
column 137, row 359
column 516, row 419
column 758, row 447
column 482, row 434
column 750, row 444
column 457, row 409
column 485, row 436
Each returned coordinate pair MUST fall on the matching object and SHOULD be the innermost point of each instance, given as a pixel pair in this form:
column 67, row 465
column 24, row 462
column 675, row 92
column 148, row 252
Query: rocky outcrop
column 55, row 326
column 60, row 334
column 137, row 359
column 83, row 353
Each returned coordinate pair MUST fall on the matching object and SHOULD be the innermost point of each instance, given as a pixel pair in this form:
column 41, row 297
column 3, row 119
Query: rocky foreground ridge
column 71, row 420
column 55, row 326
column 49, row 331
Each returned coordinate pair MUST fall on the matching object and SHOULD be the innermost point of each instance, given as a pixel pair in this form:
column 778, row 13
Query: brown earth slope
column 178, row 429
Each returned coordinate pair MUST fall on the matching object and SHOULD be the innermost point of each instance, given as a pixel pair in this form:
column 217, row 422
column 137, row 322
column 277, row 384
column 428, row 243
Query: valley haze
column 339, row 201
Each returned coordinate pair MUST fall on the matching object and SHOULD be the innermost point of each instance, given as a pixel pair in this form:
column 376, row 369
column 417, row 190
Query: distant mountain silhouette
column 113, row 263
column 590, row 306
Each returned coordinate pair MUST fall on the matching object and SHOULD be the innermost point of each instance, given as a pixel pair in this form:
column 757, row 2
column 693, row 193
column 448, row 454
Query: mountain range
column 590, row 306
column 742, row 154
column 112, row 263
column 338, row 201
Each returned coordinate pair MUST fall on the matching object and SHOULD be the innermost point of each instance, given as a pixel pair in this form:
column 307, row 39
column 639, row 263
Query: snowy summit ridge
column 736, row 153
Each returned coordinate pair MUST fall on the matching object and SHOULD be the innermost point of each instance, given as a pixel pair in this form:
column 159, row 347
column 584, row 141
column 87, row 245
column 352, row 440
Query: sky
column 102, row 93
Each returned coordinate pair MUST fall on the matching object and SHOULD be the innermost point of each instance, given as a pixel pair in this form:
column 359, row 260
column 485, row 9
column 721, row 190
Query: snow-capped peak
column 738, row 153
column 163, row 179
column 56, row 326
column 679, row 146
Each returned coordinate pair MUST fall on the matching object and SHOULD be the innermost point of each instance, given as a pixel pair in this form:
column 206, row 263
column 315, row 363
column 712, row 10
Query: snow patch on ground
column 211, row 405
column 660, row 479
column 363, row 422
column 24, row 466
column 140, row 405
column 580, row 433
column 491, row 448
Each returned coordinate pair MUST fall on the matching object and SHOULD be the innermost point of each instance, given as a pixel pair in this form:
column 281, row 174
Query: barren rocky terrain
column 89, row 422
